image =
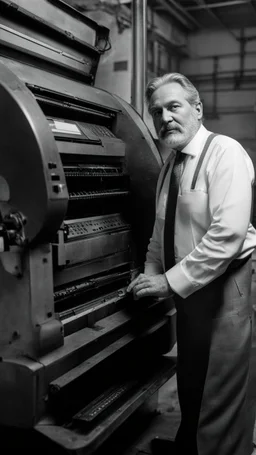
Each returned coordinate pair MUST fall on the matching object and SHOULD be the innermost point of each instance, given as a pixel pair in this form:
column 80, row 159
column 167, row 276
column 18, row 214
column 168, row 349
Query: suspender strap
column 252, row 206
column 201, row 159
column 163, row 178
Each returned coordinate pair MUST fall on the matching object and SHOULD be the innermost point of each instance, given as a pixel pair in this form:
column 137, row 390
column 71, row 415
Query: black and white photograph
column 128, row 227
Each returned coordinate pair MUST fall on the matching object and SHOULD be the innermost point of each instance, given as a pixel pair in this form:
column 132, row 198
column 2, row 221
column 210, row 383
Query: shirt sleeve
column 230, row 196
column 153, row 264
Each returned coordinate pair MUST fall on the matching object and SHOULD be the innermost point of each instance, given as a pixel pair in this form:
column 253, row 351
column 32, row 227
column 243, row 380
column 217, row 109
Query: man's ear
column 199, row 108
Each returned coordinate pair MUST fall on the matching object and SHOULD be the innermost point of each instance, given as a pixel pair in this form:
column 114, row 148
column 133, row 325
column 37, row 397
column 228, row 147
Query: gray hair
column 192, row 94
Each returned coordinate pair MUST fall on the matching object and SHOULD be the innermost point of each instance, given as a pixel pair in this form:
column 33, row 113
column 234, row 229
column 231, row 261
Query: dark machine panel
column 54, row 35
column 78, row 172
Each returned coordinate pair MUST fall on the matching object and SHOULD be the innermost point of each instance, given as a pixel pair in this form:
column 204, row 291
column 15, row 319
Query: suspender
column 163, row 179
column 199, row 164
column 201, row 159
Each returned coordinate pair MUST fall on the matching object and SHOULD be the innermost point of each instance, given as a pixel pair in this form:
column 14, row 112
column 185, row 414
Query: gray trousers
column 214, row 339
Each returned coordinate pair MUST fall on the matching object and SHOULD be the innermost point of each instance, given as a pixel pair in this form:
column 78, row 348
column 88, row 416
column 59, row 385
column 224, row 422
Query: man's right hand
column 150, row 286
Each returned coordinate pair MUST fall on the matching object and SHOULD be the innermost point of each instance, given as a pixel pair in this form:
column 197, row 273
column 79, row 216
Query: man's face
column 176, row 120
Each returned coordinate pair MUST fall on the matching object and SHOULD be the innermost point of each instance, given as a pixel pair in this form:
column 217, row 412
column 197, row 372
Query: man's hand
column 146, row 285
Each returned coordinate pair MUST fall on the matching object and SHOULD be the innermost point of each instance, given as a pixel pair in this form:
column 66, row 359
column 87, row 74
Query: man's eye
column 156, row 113
column 174, row 107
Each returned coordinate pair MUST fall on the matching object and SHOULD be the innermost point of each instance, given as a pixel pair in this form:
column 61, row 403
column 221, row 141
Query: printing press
column 78, row 171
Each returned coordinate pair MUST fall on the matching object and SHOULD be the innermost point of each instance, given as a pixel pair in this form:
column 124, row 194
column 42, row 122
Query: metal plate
column 27, row 141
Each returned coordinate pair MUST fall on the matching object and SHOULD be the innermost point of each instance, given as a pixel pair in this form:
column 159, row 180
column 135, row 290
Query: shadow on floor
column 135, row 438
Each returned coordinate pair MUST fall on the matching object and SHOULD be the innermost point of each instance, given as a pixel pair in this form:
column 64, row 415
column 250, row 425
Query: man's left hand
column 147, row 285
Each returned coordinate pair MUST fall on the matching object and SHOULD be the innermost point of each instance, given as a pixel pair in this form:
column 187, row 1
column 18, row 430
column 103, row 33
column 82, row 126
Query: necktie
column 169, row 255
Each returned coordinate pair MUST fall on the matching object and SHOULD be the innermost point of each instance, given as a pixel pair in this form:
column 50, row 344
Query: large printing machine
column 78, row 171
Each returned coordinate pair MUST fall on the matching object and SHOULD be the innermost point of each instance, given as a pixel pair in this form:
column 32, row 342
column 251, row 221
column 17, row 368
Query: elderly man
column 199, row 254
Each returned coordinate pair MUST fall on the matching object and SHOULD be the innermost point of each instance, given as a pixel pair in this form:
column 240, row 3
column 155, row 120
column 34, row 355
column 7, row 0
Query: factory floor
column 135, row 438
column 159, row 418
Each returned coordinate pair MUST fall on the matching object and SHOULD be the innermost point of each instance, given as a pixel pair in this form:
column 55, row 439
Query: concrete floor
column 135, row 439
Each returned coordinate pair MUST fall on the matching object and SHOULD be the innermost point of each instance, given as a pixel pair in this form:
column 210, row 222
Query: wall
column 112, row 75
column 115, row 68
column 229, row 97
column 231, row 109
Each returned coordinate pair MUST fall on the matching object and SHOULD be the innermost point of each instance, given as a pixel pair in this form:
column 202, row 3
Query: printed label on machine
column 63, row 127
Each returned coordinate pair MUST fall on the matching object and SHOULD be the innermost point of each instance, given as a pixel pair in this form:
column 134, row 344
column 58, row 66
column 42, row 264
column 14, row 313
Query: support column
column 139, row 49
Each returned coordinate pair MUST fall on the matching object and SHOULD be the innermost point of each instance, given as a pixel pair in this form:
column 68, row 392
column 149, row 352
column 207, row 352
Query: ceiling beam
column 178, row 12
column 217, row 5
column 215, row 16
column 180, row 8
column 253, row 3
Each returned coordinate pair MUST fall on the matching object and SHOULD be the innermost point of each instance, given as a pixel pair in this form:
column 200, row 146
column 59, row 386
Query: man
column 203, row 261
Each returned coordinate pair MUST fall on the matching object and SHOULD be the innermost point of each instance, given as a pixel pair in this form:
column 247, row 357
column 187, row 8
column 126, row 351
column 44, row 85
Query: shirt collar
column 196, row 144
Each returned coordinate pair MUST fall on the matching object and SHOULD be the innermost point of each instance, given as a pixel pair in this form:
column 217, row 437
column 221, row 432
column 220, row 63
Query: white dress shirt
column 212, row 224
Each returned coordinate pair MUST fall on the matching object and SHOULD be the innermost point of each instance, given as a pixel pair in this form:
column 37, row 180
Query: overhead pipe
column 227, row 55
column 179, row 13
column 139, row 57
column 217, row 5
column 215, row 16
column 184, row 12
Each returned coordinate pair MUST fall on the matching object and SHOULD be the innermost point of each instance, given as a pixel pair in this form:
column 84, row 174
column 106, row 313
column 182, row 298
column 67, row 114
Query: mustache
column 165, row 129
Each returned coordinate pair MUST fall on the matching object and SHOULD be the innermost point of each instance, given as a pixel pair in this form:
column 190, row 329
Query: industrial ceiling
column 202, row 14
column 192, row 15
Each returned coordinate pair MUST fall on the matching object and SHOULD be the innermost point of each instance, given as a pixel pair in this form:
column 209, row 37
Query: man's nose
column 166, row 115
